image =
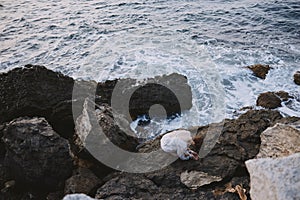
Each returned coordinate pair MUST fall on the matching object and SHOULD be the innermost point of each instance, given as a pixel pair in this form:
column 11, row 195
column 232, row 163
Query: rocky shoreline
column 42, row 155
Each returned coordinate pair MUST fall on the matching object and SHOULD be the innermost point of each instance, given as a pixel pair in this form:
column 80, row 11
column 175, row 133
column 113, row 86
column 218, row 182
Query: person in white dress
column 177, row 143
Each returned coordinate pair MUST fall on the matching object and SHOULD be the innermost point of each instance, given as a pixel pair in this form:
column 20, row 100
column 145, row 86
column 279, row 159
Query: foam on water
column 209, row 42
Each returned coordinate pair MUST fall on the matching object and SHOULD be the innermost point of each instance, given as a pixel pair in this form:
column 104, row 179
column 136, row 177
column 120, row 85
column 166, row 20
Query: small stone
column 196, row 179
column 297, row 77
column 260, row 70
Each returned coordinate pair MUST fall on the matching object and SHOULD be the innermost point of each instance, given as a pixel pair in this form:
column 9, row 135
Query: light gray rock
column 275, row 178
column 196, row 179
column 280, row 140
column 77, row 197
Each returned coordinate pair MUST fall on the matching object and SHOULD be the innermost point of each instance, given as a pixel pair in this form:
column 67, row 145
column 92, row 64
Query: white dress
column 177, row 143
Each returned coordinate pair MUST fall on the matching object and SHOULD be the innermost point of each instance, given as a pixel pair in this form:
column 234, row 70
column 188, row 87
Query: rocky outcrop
column 260, row 70
column 82, row 181
column 37, row 157
column 36, row 91
column 96, row 132
column 238, row 142
column 275, row 178
column 297, row 77
column 280, row 140
column 137, row 186
column 32, row 91
column 170, row 91
column 272, row 100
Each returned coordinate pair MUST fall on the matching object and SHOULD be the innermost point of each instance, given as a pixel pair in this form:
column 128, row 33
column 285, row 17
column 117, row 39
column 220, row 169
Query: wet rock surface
column 37, row 157
column 297, row 77
column 268, row 100
column 260, row 70
column 171, row 91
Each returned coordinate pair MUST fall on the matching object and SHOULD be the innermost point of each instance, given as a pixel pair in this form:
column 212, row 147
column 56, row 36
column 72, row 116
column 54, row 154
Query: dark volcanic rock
column 260, row 70
column 36, row 156
column 31, row 91
column 268, row 100
column 297, row 77
column 238, row 142
column 82, row 181
column 170, row 91
column 36, row 91
column 137, row 186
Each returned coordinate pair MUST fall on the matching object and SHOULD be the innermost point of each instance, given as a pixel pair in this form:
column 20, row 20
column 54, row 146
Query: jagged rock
column 32, row 91
column 260, row 70
column 275, row 178
column 280, row 140
column 96, row 130
column 284, row 96
column 36, row 91
column 268, row 100
column 82, row 181
column 77, row 197
column 37, row 157
column 297, row 77
column 137, row 186
column 238, row 142
column 171, row 91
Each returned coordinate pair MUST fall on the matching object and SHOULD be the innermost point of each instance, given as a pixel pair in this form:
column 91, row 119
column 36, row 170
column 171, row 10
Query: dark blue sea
column 210, row 42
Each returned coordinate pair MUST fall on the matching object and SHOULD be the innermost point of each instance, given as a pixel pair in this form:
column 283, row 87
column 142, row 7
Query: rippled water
column 109, row 39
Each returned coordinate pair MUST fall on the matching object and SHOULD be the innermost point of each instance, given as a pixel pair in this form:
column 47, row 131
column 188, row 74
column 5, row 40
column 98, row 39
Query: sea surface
column 210, row 42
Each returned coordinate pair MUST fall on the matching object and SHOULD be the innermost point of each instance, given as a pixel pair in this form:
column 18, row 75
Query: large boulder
column 136, row 97
column 280, row 140
column 32, row 91
column 96, row 132
column 275, row 178
column 37, row 157
column 259, row 70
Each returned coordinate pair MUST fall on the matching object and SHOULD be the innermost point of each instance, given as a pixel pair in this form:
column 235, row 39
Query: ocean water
column 210, row 42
